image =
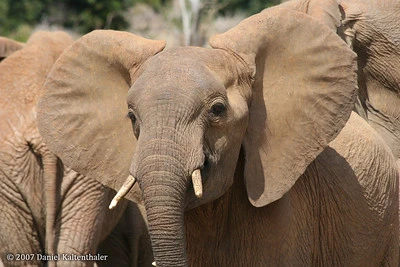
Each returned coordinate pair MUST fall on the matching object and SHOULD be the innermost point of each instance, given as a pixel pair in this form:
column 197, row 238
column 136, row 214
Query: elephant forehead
column 185, row 71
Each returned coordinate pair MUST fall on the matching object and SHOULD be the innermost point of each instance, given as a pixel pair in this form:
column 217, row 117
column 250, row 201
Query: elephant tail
column 50, row 178
column 50, row 186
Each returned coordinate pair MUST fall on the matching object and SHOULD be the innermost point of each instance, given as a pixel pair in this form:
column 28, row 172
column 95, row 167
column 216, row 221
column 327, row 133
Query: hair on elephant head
column 175, row 120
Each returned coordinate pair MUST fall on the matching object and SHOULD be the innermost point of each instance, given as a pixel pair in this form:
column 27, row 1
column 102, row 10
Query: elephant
column 22, row 171
column 372, row 30
column 246, row 153
column 8, row 46
column 46, row 208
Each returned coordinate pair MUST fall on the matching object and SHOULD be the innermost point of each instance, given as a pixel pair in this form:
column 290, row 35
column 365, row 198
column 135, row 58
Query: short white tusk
column 130, row 181
column 154, row 263
column 197, row 184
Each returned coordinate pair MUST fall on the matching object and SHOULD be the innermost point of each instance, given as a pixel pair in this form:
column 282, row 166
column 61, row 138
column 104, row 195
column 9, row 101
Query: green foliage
column 22, row 33
column 157, row 5
column 83, row 15
column 13, row 13
column 87, row 15
column 249, row 7
column 18, row 16
column 3, row 15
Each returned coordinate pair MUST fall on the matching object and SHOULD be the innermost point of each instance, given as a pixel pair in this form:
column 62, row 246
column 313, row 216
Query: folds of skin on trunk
column 164, row 182
column 165, row 209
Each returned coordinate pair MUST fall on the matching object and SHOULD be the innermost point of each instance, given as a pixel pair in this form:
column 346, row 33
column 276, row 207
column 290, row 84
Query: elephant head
column 279, row 86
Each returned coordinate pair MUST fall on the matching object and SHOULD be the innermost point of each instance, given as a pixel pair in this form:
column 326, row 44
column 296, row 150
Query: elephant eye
column 217, row 109
column 135, row 125
column 131, row 116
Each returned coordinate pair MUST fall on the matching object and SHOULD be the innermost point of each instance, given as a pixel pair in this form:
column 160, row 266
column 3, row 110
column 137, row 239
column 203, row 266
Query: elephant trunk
column 164, row 202
column 162, row 170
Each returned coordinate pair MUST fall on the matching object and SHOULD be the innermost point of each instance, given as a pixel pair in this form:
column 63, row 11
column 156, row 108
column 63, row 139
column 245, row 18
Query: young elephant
column 45, row 207
column 245, row 154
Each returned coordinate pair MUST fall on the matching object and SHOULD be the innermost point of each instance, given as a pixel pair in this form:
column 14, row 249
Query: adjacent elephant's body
column 336, row 201
column 372, row 29
column 25, row 161
column 45, row 207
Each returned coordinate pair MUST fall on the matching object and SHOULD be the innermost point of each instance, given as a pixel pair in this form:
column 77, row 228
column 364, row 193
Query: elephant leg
column 18, row 228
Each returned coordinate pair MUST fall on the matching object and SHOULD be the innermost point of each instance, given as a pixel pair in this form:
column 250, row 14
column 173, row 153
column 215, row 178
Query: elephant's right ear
column 82, row 115
column 9, row 46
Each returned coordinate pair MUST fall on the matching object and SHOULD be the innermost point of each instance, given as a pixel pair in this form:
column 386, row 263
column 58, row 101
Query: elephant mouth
column 205, row 171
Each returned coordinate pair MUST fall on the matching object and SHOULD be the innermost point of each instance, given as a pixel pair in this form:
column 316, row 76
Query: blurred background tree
column 19, row 17
column 16, row 16
column 193, row 13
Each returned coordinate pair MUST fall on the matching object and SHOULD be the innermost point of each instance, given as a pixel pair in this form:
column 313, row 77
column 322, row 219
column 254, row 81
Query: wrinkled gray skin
column 46, row 208
column 372, row 29
column 290, row 175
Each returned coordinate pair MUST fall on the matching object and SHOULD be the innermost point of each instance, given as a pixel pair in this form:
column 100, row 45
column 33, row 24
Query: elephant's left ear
column 303, row 92
column 9, row 46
